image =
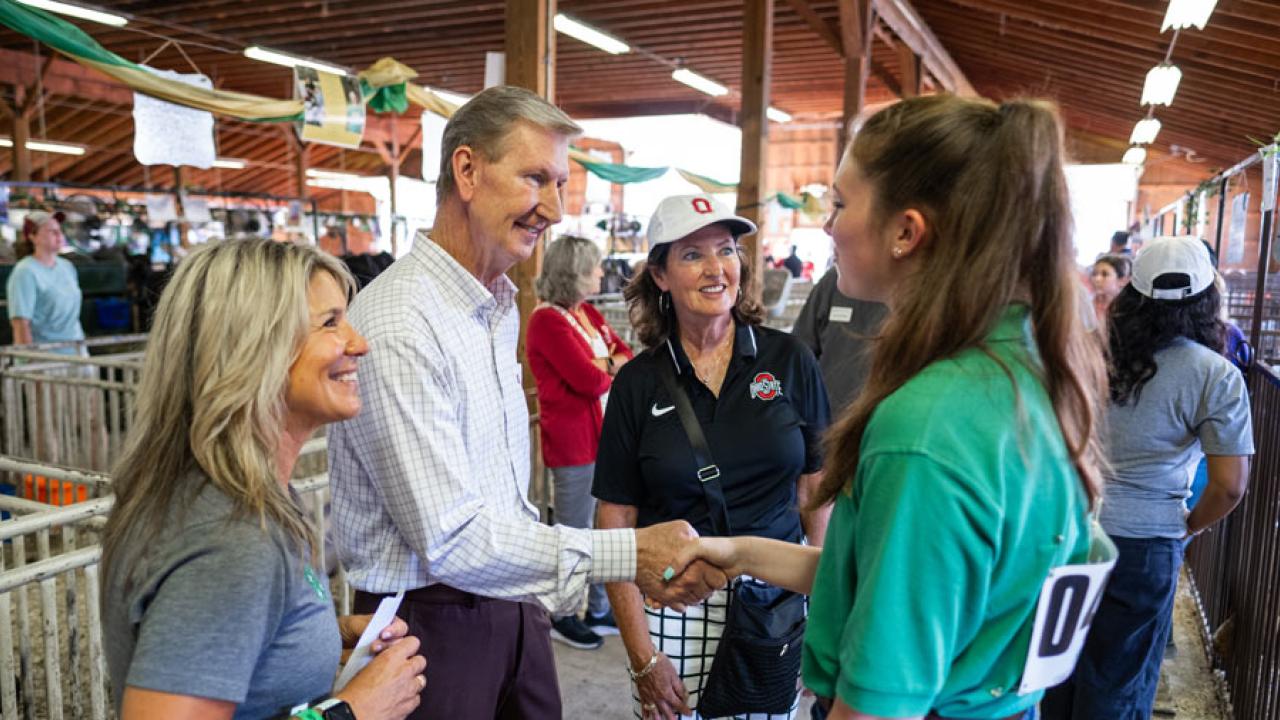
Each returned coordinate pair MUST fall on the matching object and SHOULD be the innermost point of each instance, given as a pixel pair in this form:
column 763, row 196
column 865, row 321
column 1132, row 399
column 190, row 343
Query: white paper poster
column 169, row 134
column 432, row 135
column 196, row 210
column 1270, row 173
column 160, row 210
column 1235, row 238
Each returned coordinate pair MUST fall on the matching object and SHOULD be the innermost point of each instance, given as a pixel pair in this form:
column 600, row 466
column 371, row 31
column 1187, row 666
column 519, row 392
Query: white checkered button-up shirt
column 430, row 482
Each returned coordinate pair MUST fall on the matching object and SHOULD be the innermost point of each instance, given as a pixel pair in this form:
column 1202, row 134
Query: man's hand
column 656, row 550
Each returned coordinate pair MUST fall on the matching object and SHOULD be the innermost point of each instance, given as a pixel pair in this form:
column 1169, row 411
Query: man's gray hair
column 484, row 121
column 566, row 271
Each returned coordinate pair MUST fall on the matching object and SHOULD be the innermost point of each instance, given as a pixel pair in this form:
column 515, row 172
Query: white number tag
column 1068, row 600
column 840, row 314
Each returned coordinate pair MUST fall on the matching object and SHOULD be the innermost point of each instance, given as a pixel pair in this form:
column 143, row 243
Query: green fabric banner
column 789, row 202
column 621, row 174
column 706, row 184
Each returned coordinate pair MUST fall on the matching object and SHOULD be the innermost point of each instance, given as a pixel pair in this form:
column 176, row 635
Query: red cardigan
column 569, row 384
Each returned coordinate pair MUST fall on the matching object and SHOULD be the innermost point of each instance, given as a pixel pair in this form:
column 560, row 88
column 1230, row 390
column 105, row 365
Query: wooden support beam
column 905, row 22
column 21, row 153
column 830, row 35
column 530, row 46
column 856, row 22
column 757, row 61
column 531, row 63
column 909, row 62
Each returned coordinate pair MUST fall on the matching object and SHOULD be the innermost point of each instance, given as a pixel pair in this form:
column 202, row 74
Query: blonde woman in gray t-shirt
column 211, row 609
column 1174, row 399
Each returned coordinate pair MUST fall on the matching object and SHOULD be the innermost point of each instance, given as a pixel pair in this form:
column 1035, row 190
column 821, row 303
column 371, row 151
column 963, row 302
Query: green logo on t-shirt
column 314, row 581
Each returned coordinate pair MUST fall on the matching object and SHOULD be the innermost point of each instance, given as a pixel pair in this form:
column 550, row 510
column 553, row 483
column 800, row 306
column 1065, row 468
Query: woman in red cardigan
column 573, row 354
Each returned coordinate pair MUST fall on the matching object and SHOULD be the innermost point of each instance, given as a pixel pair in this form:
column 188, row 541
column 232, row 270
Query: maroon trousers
column 486, row 658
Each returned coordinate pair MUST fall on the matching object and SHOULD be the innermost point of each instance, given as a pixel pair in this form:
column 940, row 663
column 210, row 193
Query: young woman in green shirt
column 965, row 471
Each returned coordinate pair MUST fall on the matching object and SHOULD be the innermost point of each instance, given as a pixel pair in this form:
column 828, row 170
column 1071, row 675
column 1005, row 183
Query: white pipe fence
column 49, row 584
column 70, row 410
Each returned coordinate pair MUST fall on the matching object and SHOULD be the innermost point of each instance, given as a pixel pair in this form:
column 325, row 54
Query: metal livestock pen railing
column 49, row 581
column 69, row 409
column 1235, row 568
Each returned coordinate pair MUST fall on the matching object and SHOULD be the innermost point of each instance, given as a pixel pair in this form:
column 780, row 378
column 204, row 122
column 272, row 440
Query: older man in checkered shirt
column 430, row 481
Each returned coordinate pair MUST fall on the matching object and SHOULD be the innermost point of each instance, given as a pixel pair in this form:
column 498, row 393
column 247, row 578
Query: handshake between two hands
column 676, row 568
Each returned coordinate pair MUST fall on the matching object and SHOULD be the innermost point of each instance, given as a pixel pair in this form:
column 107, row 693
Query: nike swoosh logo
column 659, row 412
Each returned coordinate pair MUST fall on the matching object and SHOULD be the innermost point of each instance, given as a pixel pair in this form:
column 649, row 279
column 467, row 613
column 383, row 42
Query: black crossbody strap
column 708, row 473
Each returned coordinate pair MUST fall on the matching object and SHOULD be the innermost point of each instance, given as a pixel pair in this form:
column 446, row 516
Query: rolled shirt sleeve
column 412, row 449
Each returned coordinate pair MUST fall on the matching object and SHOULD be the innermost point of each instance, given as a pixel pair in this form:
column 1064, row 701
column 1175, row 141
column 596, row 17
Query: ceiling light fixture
column 777, row 115
column 699, row 83
column 279, row 58
column 1144, row 133
column 589, row 35
column 230, row 163
column 83, row 13
column 1186, row 13
column 331, row 174
column 49, row 147
column 1134, row 156
column 1161, row 85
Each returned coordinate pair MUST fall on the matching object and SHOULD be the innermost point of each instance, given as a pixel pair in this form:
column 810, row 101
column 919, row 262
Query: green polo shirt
column 964, row 499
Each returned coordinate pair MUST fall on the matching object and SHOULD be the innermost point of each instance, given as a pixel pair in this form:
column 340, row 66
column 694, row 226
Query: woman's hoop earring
column 664, row 302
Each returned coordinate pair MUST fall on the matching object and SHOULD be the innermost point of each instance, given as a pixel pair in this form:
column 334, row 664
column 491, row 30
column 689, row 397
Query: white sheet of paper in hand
column 360, row 656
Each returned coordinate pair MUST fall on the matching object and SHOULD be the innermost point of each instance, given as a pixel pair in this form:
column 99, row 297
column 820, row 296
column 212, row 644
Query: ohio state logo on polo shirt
column 765, row 386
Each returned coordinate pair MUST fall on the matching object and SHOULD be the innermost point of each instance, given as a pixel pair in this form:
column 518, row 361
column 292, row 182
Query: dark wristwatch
column 335, row 709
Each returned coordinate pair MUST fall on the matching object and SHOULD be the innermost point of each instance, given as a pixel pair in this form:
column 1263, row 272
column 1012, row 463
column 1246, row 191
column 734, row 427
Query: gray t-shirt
column 838, row 330
column 1195, row 405
column 222, row 609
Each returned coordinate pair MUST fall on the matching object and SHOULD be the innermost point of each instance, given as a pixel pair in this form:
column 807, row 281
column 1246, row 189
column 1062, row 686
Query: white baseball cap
column 681, row 215
column 1172, row 268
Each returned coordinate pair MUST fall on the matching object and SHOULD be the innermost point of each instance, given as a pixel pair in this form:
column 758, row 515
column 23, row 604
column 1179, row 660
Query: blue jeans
column 1119, row 667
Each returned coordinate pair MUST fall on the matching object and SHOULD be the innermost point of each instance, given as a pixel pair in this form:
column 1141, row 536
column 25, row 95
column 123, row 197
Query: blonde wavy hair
column 211, row 402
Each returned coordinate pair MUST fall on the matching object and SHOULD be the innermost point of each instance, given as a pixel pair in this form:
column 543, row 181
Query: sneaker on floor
column 602, row 624
column 572, row 632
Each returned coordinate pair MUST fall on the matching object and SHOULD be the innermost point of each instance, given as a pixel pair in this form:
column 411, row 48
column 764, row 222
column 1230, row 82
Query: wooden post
column 21, row 154
column 757, row 61
column 855, row 24
column 910, row 64
column 531, row 63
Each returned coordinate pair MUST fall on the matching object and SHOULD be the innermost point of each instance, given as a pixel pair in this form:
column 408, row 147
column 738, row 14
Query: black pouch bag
column 757, row 664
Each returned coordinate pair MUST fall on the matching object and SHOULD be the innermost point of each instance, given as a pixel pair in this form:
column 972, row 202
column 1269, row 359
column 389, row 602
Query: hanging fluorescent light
column 279, row 58
column 49, row 147
column 230, row 163
column 589, row 35
column 1134, row 156
column 1162, row 84
column 83, row 13
column 777, row 115
column 1144, row 133
column 1185, row 13
column 331, row 174
column 699, row 83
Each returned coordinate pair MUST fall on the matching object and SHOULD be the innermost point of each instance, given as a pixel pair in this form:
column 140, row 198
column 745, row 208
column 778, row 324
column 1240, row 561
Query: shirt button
column 1057, row 539
column 997, row 691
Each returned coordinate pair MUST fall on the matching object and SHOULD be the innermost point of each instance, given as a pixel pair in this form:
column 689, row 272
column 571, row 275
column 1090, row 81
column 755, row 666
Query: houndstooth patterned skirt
column 689, row 639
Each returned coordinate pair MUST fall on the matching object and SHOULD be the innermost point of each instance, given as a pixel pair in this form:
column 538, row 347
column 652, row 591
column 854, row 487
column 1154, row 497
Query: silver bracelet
column 648, row 668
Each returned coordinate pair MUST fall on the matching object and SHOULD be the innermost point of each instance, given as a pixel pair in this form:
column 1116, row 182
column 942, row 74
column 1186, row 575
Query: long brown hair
column 654, row 323
column 989, row 181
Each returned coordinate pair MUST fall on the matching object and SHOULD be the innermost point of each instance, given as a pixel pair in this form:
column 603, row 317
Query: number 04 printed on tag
column 1068, row 600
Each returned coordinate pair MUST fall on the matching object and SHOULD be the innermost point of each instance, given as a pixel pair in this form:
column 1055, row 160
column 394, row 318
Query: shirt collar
column 499, row 295
column 744, row 345
column 1014, row 323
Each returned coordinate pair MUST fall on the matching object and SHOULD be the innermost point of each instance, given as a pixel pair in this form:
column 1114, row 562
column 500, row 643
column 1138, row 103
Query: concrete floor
column 594, row 683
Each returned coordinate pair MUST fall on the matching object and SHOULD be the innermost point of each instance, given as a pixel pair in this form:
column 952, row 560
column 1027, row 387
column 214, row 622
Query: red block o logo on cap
column 702, row 206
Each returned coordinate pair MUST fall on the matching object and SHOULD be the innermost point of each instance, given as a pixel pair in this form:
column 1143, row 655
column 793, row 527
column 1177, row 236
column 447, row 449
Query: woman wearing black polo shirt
column 759, row 398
